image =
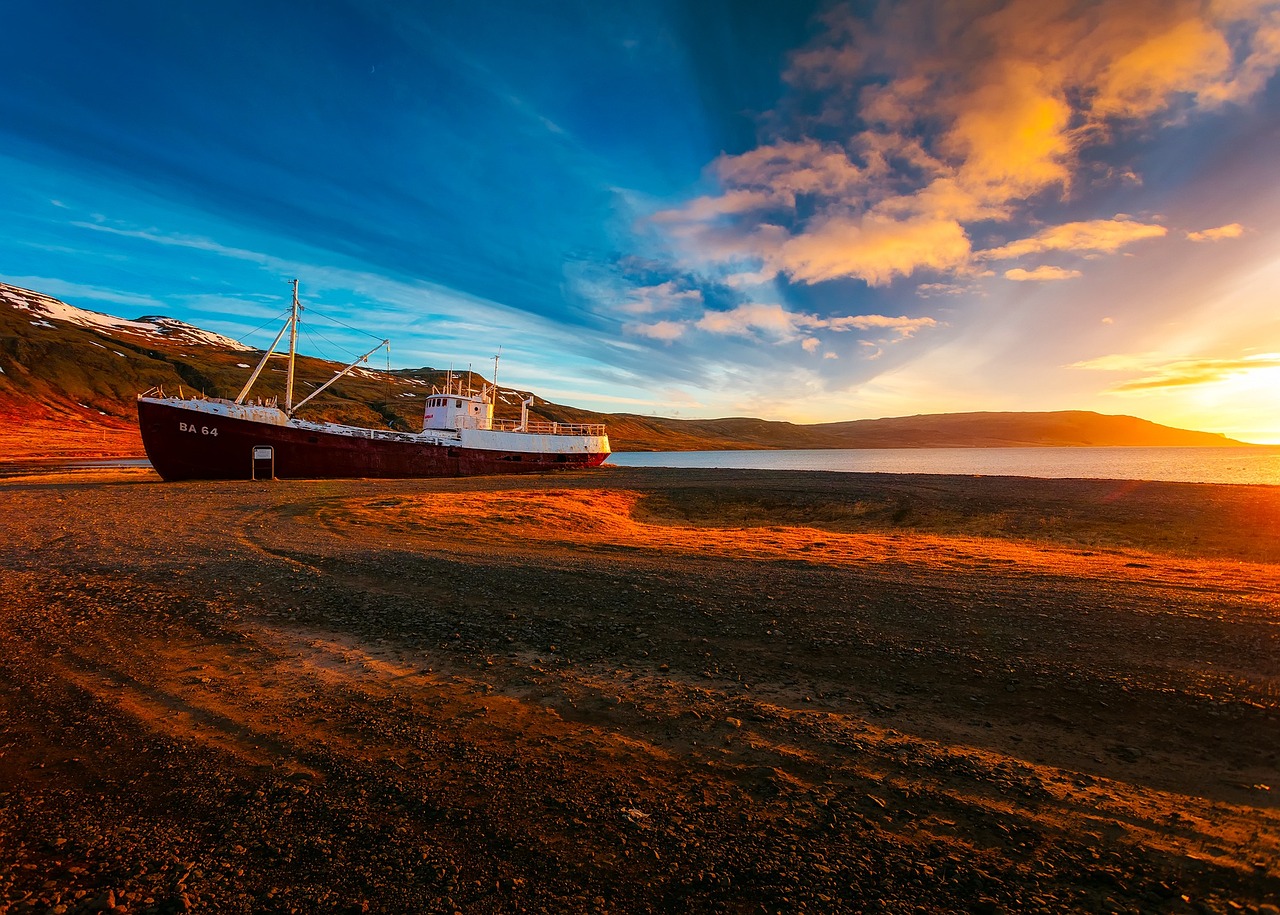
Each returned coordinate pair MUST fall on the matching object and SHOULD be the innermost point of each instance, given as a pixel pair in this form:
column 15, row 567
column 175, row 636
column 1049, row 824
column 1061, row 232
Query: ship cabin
column 457, row 410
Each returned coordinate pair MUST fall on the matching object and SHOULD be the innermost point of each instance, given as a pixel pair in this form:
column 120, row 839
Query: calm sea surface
column 1256, row 464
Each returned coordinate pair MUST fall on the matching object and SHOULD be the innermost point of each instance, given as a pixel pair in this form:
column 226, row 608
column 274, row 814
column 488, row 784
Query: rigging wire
column 346, row 351
column 344, row 324
column 274, row 320
column 386, row 394
column 312, row 333
column 311, row 340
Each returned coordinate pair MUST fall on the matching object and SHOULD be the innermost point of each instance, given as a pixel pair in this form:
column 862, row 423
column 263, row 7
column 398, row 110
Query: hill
column 1071, row 428
column 68, row 379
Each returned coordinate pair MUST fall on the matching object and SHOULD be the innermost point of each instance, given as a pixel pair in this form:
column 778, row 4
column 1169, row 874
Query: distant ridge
column 69, row 376
column 1069, row 428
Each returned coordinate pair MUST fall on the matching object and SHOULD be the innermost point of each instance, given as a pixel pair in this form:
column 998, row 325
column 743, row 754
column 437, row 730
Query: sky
column 802, row 211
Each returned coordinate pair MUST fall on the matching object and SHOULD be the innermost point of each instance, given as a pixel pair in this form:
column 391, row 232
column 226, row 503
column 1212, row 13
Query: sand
column 638, row 691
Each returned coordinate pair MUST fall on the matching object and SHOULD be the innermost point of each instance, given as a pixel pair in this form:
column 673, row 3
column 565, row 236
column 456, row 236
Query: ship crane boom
column 337, row 375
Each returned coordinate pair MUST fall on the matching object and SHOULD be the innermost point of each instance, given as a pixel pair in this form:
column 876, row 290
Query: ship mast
column 293, row 350
column 271, row 351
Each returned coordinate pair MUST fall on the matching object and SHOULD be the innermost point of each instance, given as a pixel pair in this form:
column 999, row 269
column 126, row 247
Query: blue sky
column 797, row 211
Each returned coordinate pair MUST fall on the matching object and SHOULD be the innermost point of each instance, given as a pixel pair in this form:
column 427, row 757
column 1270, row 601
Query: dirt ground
column 57, row 441
column 638, row 691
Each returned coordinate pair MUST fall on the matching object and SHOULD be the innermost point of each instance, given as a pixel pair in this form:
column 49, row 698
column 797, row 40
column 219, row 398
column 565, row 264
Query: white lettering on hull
column 198, row 430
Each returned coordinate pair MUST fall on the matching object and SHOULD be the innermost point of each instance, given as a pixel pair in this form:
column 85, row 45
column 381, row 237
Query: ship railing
column 513, row 425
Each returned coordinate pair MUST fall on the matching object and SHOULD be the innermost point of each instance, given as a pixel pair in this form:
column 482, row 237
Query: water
column 1255, row 464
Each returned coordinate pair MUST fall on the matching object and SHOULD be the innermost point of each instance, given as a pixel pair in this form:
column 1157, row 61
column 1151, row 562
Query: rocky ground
column 638, row 691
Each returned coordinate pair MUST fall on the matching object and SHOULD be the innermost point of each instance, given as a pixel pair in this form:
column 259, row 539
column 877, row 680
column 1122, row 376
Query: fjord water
column 1253, row 464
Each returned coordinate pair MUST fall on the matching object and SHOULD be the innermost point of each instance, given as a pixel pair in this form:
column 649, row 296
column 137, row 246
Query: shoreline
column 639, row 690
column 1120, row 463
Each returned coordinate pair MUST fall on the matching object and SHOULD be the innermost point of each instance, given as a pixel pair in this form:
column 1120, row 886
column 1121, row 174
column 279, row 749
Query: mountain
column 68, row 379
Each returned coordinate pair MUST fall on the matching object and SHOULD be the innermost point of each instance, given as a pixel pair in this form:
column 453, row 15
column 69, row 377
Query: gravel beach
column 638, row 690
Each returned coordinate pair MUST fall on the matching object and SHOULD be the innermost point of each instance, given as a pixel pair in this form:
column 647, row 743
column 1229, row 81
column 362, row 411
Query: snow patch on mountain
column 157, row 327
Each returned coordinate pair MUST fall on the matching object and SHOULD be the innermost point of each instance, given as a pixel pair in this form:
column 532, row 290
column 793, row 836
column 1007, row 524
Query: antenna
column 496, row 355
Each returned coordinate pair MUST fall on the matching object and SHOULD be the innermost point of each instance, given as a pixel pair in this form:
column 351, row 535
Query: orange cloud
column 806, row 167
column 1191, row 55
column 1157, row 373
column 1104, row 235
column 968, row 120
column 1233, row 230
column 1041, row 273
column 1010, row 136
column 873, row 248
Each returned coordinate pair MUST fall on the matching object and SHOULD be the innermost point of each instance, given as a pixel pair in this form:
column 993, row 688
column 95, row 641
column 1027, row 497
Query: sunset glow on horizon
column 810, row 212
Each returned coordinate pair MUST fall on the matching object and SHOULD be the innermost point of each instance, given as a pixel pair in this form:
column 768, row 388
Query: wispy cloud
column 186, row 241
column 1096, row 235
column 1231, row 230
column 1040, row 274
column 409, row 300
column 661, row 298
column 902, row 325
column 771, row 319
column 1155, row 372
column 71, row 292
column 774, row 322
column 666, row 331
column 930, row 290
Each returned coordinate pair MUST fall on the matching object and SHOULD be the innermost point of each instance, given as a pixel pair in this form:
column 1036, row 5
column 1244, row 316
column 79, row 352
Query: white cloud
column 666, row 331
column 664, row 297
column 751, row 316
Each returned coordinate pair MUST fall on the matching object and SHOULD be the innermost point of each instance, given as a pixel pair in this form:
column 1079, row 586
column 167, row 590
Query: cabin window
column 459, row 405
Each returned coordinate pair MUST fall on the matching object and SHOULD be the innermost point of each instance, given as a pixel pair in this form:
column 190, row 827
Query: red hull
column 180, row 446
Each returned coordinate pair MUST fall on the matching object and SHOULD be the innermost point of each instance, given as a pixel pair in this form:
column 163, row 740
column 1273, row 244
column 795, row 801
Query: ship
column 191, row 437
